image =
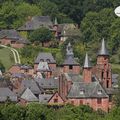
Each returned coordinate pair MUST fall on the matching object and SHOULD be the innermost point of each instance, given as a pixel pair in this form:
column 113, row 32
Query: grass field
column 6, row 57
column 116, row 68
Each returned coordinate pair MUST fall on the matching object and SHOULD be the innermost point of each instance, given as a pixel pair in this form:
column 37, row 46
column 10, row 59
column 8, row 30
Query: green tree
column 7, row 15
column 13, row 112
column 25, row 11
column 41, row 35
column 114, row 39
column 49, row 8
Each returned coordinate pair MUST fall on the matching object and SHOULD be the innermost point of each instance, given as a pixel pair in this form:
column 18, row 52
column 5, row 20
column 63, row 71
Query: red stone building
column 70, row 65
column 23, row 69
column 12, row 38
column 56, row 99
column 92, row 87
column 46, row 64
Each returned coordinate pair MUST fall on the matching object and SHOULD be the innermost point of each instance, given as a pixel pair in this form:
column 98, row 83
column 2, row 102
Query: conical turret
column 87, row 63
column 55, row 22
column 87, row 70
column 103, row 50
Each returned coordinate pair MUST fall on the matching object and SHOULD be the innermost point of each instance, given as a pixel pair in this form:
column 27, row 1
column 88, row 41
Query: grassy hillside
column 116, row 68
column 6, row 57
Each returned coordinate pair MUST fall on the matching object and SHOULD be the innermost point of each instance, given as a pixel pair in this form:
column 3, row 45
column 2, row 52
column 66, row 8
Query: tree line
column 35, row 111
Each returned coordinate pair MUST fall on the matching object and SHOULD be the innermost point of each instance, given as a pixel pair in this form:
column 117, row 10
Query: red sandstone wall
column 18, row 45
column 56, row 99
column 14, row 69
column 102, row 59
column 53, row 66
column 92, row 103
column 76, row 69
column 5, row 41
column 87, row 75
column 35, row 67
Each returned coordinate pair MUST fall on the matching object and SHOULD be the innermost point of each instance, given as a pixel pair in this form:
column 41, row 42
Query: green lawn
column 116, row 68
column 6, row 57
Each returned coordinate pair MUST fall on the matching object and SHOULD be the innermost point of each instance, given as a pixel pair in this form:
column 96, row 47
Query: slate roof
column 5, row 83
column 115, row 80
column 111, row 91
column 46, row 57
column 12, row 34
column 44, row 98
column 70, row 61
column 87, row 90
column 37, row 22
column 50, row 83
column 103, row 50
column 32, row 85
column 69, row 56
column 25, row 67
column 29, row 96
column 18, row 75
column 77, row 77
column 87, row 63
column 71, row 32
column 73, row 77
column 6, row 93
column 65, row 26
column 55, row 22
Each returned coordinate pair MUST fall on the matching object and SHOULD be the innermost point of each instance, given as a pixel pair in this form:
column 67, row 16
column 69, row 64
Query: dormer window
column 70, row 67
column 41, row 60
column 82, row 92
column 48, row 60
column 99, row 92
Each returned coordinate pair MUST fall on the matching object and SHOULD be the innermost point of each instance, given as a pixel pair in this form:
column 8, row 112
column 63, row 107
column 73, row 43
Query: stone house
column 12, row 38
column 93, row 88
column 46, row 63
column 34, row 23
column 27, row 97
column 65, row 30
column 23, row 69
column 7, row 95
column 70, row 64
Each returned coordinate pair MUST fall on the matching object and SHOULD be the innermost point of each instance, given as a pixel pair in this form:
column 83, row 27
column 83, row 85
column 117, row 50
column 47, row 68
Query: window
column 41, row 60
column 107, row 84
column 107, row 74
column 48, row 60
column 72, row 102
column 102, row 75
column 99, row 101
column 26, row 70
column 99, row 92
column 70, row 67
column 55, row 100
column 110, row 98
column 81, row 102
column 82, row 92
column 12, row 42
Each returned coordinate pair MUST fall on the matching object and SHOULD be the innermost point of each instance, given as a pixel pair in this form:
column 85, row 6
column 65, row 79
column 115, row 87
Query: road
column 15, row 53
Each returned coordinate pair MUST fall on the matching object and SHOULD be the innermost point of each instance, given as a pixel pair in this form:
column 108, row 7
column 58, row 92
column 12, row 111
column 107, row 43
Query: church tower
column 70, row 65
column 87, row 70
column 103, row 66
